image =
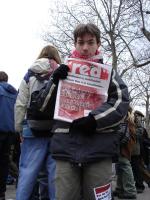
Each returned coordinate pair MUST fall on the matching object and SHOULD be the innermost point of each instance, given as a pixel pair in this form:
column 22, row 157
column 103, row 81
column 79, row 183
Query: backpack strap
column 28, row 75
column 39, row 77
column 126, row 135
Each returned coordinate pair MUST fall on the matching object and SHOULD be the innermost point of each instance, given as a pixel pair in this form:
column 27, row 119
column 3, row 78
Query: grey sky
column 21, row 24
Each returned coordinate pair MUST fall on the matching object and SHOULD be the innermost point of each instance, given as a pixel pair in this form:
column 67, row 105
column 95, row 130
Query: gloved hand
column 85, row 124
column 60, row 73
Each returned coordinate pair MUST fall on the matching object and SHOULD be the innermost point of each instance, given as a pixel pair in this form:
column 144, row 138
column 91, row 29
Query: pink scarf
column 95, row 58
column 53, row 66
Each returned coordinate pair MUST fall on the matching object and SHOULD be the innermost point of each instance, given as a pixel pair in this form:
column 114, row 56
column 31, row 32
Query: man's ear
column 99, row 44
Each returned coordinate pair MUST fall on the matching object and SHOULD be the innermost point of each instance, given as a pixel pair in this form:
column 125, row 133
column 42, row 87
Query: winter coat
column 8, row 96
column 34, row 80
column 137, row 146
column 127, row 141
column 78, row 147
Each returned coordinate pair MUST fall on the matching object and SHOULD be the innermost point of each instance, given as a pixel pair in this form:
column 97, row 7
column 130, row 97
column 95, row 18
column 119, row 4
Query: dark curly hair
column 89, row 28
column 3, row 76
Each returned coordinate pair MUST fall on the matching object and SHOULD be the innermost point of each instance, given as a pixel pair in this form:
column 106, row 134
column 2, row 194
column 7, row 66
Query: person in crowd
column 7, row 100
column 36, row 134
column 84, row 148
column 136, row 153
column 14, row 160
column 125, row 187
column 145, row 157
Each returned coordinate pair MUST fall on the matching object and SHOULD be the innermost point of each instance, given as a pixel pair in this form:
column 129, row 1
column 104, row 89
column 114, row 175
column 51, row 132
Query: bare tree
column 146, row 33
column 117, row 22
column 120, row 22
column 142, row 10
column 139, row 87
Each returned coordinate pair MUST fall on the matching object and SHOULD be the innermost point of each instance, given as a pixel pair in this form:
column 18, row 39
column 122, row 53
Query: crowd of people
column 132, row 168
column 58, row 160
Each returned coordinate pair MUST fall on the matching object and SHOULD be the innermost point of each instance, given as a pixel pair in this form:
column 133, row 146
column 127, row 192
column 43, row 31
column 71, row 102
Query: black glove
column 85, row 124
column 60, row 73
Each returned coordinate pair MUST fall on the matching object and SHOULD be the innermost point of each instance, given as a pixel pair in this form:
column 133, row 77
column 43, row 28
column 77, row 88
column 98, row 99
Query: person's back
column 7, row 100
column 36, row 131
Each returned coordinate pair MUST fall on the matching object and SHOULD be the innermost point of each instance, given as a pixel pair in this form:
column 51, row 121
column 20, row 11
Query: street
column 10, row 194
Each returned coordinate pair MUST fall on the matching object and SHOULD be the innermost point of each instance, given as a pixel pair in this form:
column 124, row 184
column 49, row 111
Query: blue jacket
column 8, row 96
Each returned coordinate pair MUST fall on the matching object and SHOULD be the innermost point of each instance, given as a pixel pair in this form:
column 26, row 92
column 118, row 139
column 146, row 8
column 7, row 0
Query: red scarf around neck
column 95, row 58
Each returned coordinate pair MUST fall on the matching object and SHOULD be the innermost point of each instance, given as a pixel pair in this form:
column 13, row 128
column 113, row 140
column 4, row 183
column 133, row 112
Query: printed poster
column 84, row 90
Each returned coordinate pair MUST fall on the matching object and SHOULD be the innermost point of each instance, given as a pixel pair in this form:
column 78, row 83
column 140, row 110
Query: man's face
column 87, row 45
column 138, row 119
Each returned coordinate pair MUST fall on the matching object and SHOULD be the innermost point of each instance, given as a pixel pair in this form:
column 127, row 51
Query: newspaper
column 85, row 89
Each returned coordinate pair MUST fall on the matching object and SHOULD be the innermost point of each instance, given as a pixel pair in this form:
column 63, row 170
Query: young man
column 84, row 148
column 7, row 100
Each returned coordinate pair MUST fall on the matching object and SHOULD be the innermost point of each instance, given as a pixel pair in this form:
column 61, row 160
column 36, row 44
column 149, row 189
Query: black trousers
column 5, row 142
column 135, row 163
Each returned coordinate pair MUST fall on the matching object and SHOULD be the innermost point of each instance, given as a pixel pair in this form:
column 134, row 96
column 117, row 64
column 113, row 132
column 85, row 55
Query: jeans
column 34, row 153
column 125, row 178
column 135, row 163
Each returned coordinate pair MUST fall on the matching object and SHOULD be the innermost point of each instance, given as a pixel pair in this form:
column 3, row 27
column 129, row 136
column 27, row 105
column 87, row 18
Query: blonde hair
column 50, row 52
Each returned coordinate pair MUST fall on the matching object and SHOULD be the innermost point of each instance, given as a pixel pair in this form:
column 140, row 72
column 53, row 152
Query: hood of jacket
column 8, row 88
column 41, row 66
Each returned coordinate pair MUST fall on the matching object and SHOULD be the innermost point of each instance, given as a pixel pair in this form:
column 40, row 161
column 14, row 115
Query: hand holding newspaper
column 84, row 90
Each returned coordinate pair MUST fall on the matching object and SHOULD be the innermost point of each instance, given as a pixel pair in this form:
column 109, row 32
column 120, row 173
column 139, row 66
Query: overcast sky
column 21, row 25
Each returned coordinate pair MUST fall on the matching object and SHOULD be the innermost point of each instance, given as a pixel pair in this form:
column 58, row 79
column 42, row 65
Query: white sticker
column 103, row 192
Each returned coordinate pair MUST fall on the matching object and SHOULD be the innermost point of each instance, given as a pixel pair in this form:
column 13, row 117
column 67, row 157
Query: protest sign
column 84, row 90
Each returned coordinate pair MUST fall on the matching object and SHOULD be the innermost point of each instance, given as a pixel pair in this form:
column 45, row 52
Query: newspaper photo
column 84, row 90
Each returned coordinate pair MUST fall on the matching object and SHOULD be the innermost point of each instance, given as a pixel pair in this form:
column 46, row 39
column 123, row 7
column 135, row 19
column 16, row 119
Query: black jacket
column 78, row 147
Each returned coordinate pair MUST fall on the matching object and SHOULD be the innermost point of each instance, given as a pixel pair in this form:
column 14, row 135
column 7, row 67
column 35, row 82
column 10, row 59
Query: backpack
column 40, row 122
